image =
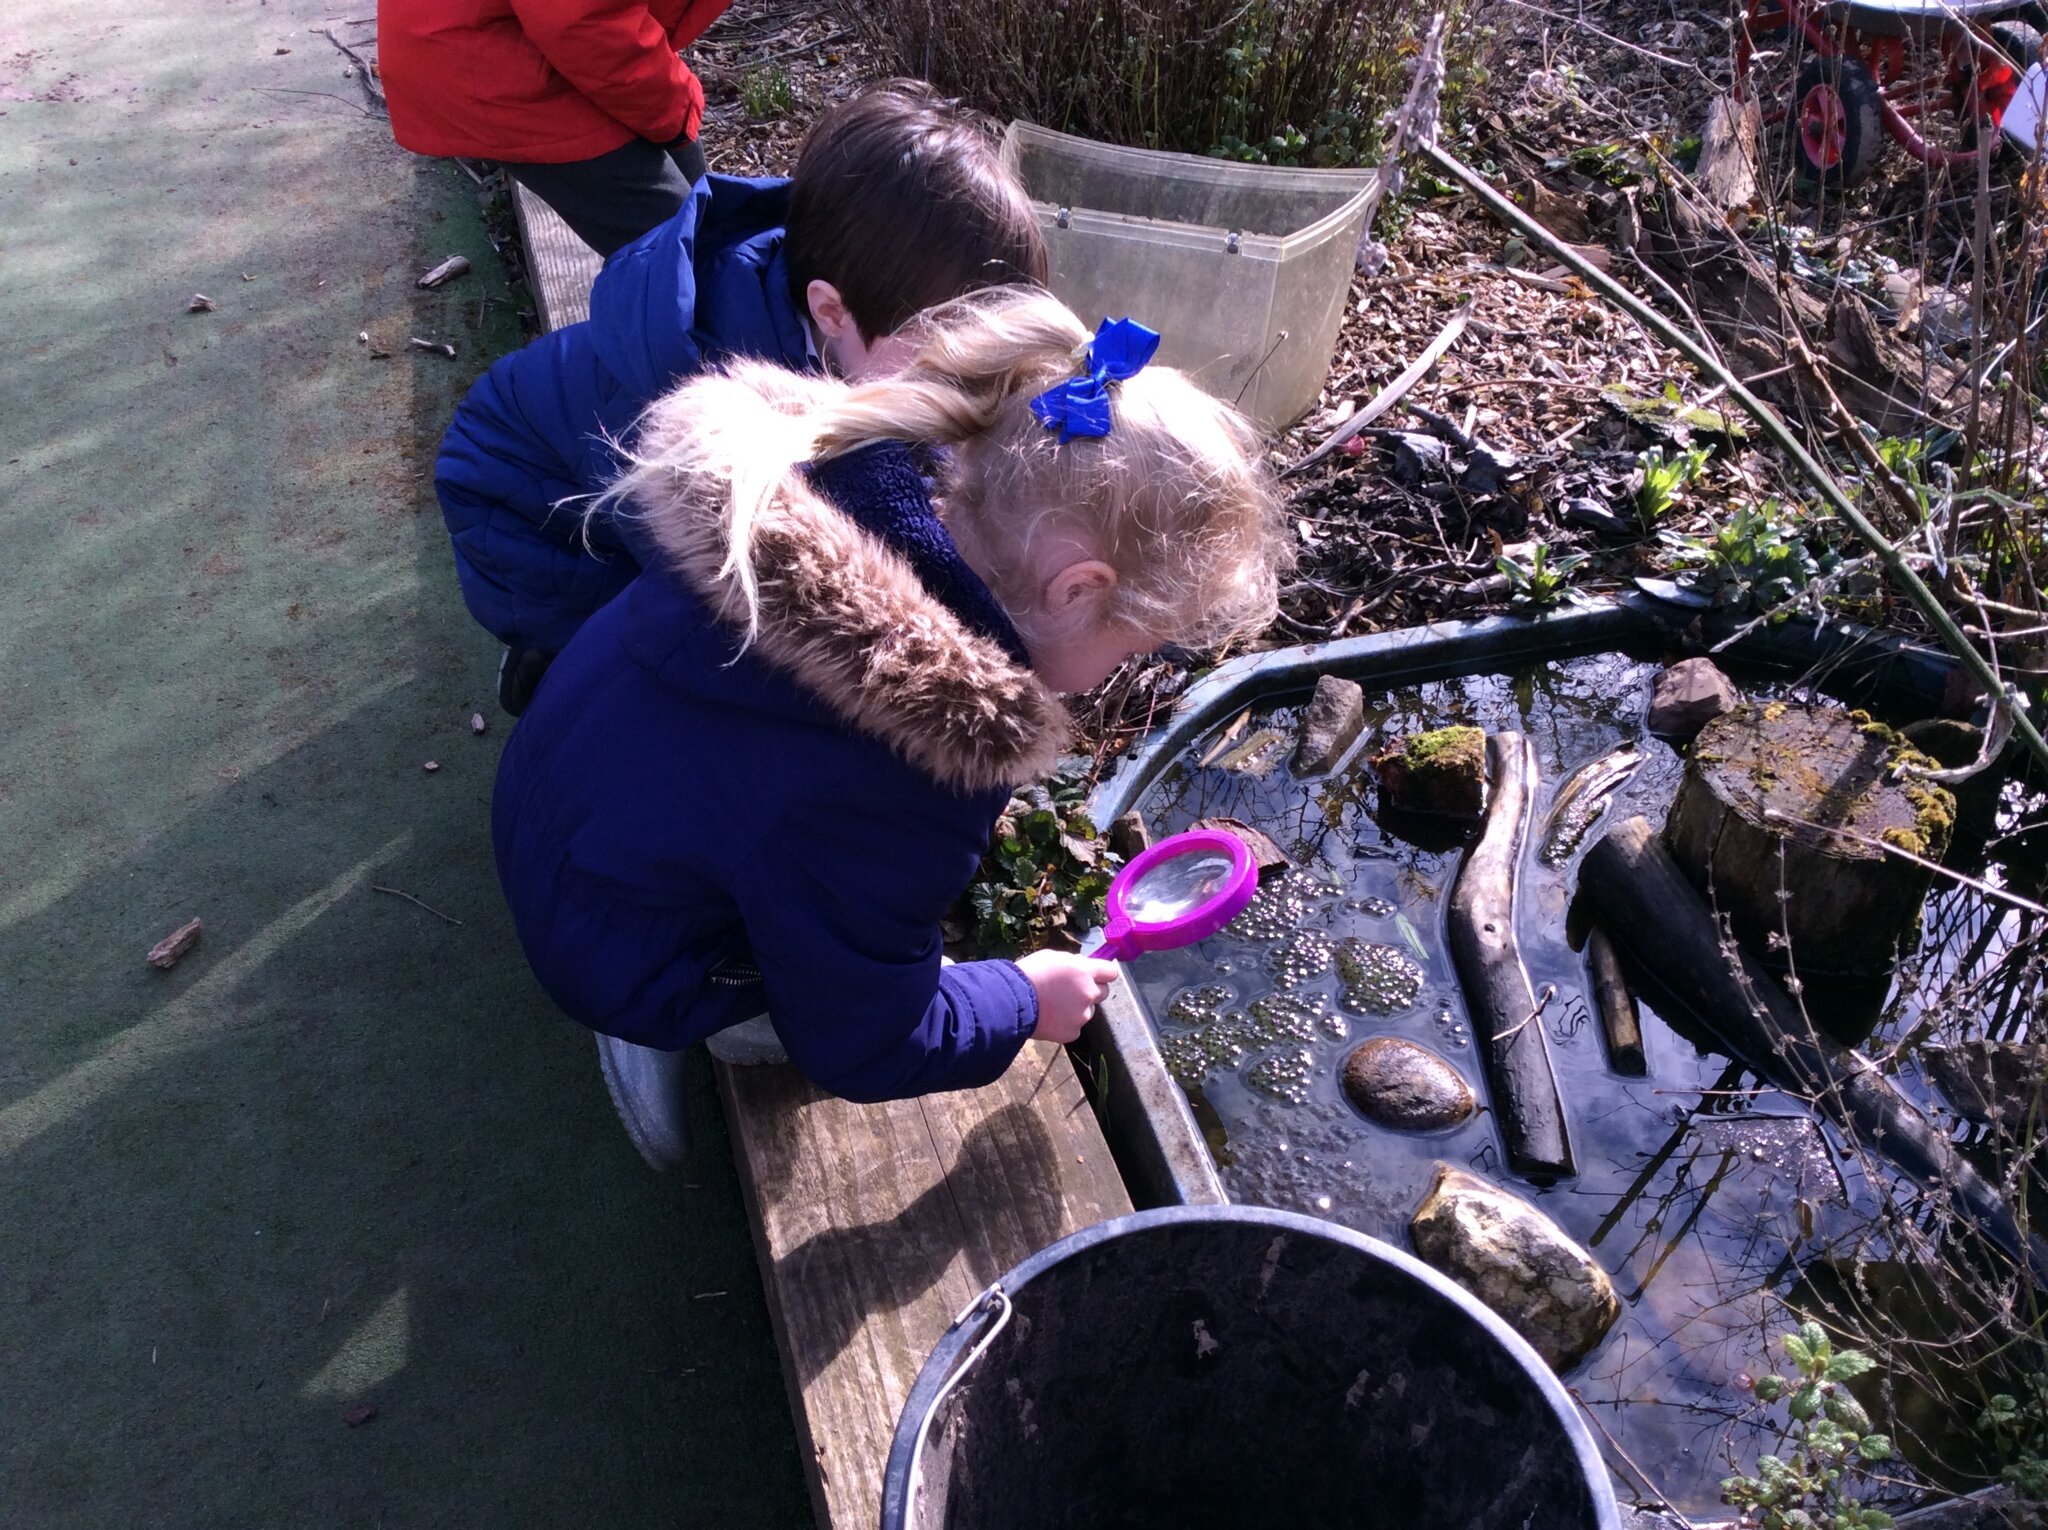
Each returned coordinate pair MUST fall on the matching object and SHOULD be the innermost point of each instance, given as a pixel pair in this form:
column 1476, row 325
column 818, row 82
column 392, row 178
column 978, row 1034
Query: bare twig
column 364, row 73
column 398, row 892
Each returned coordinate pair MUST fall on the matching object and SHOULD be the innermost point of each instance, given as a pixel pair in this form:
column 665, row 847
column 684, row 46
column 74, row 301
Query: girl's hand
column 1068, row 987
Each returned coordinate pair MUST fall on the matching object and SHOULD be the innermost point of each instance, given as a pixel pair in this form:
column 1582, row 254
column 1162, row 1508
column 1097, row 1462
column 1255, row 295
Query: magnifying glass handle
column 1112, row 945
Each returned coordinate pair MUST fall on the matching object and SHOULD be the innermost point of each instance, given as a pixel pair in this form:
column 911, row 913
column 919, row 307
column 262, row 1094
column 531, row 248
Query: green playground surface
column 331, row 1224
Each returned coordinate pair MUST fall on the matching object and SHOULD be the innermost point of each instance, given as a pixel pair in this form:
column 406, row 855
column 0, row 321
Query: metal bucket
column 1235, row 1366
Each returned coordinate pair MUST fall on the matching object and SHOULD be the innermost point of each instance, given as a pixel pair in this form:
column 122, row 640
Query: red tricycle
column 1875, row 67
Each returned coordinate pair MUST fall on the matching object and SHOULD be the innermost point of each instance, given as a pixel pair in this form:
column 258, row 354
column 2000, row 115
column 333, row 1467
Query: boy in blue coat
column 899, row 202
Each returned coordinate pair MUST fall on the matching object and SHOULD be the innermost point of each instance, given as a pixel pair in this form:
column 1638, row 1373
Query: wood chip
column 446, row 271
column 201, row 303
column 171, row 950
column 359, row 1415
column 477, row 723
column 431, row 766
column 440, row 347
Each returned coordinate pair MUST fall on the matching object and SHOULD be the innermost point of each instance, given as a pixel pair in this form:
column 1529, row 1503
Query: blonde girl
column 757, row 780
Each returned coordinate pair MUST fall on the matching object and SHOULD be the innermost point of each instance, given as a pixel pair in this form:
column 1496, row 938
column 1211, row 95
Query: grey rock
column 1331, row 725
column 1128, row 835
column 1405, row 1086
column 1517, row 1261
column 1688, row 696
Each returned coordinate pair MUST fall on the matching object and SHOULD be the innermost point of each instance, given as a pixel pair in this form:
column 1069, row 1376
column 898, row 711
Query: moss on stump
column 1442, row 772
column 1821, row 785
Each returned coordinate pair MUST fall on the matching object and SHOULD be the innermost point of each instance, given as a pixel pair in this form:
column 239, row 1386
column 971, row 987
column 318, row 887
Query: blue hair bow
column 1080, row 405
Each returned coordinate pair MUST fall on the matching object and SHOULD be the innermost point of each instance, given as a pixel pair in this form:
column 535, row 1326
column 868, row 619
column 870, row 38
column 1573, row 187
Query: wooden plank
column 876, row 1224
column 561, row 266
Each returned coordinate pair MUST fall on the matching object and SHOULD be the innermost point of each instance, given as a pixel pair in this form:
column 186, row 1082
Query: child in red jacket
column 585, row 102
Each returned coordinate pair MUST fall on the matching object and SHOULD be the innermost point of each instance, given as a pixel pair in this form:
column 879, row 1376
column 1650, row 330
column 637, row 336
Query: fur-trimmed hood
column 845, row 615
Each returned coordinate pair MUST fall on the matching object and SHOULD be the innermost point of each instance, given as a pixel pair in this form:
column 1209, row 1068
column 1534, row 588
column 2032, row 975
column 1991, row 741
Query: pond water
column 1701, row 1194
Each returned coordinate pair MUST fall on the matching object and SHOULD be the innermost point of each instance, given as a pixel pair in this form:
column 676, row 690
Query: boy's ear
column 829, row 311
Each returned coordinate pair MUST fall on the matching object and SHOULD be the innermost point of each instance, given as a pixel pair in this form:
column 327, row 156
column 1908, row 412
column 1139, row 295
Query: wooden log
column 1497, row 989
column 1815, row 784
column 1647, row 904
column 1617, row 1006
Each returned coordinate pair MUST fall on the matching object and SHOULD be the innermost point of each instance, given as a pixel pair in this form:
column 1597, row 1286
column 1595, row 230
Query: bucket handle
column 995, row 1303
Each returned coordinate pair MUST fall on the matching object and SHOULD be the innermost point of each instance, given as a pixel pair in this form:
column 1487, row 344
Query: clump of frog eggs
column 1214, row 1032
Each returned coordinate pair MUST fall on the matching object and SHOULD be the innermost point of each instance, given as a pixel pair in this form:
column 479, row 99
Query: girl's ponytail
column 1176, row 497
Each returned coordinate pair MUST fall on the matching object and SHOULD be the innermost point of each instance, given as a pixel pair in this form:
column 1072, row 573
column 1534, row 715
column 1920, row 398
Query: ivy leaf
column 1875, row 1447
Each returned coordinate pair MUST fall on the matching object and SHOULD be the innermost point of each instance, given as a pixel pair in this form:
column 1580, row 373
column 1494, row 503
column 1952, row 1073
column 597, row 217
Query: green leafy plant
column 1664, row 479
column 1759, row 557
column 767, row 92
column 1543, row 581
column 1829, row 1444
column 1045, row 874
column 2018, row 1429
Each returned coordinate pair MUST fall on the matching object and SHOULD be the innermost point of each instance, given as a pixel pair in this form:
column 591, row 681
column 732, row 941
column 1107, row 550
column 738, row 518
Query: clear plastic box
column 1243, row 269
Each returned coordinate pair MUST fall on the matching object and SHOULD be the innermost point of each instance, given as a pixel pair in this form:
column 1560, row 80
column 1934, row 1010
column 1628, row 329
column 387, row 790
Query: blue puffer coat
column 673, row 815
column 530, row 441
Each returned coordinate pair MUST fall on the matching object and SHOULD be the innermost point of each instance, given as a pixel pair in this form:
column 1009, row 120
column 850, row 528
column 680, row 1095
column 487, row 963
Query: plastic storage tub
column 1243, row 269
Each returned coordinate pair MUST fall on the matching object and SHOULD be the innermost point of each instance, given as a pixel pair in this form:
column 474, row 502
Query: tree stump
column 1819, row 785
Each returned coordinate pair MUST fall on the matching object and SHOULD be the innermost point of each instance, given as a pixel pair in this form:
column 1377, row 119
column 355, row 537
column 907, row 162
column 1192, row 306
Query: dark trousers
column 615, row 198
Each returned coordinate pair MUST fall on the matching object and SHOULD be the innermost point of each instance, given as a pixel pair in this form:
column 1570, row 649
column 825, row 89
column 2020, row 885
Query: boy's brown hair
column 901, row 201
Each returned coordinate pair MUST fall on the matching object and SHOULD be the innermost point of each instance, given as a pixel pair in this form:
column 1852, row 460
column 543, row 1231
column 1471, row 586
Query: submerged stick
column 1646, row 901
column 1496, row 984
column 1617, row 1006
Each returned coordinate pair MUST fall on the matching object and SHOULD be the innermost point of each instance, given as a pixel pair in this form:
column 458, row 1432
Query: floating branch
column 1497, row 988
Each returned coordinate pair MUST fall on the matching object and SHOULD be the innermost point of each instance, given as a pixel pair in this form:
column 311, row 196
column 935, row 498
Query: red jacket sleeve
column 696, row 17
column 620, row 56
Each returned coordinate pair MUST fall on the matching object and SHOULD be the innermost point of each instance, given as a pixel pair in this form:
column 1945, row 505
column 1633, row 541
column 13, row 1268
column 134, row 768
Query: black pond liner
column 1235, row 1366
column 1146, row 1117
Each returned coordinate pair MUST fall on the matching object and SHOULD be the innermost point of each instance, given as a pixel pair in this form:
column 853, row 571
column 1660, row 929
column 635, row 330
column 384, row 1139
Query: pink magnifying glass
column 1181, row 890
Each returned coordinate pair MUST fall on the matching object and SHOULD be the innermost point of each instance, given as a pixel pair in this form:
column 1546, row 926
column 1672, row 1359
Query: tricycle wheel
column 1837, row 126
column 2019, row 41
column 1982, row 105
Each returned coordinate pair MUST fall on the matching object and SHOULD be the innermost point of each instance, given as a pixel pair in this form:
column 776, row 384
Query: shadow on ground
column 346, row 1157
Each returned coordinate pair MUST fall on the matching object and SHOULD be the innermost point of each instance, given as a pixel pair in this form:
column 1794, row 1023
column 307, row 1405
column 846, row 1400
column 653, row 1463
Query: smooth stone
column 1688, row 696
column 1331, row 725
column 1517, row 1261
column 1405, row 1086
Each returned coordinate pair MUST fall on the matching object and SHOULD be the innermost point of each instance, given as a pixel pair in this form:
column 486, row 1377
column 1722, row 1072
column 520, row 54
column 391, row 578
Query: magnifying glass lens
column 1177, row 887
